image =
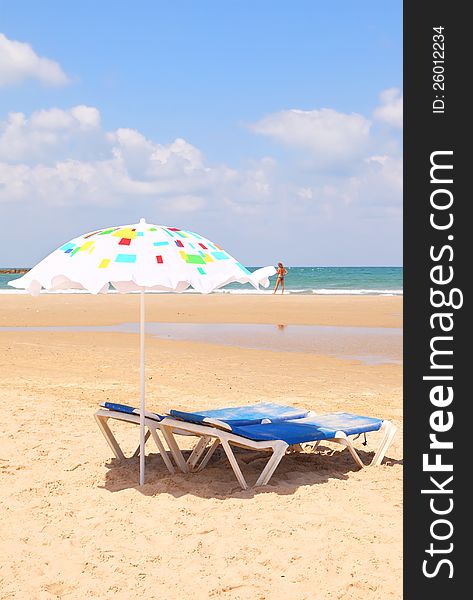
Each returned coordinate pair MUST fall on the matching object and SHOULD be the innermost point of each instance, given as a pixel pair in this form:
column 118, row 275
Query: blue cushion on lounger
column 309, row 429
column 124, row 408
column 349, row 423
column 119, row 407
column 243, row 415
column 287, row 431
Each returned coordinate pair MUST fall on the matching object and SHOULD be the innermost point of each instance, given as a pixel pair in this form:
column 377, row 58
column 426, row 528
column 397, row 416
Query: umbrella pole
column 142, row 387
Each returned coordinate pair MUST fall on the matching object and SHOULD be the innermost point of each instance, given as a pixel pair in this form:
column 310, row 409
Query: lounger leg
column 175, row 450
column 162, row 450
column 272, row 464
column 234, row 464
column 344, row 441
column 137, row 451
column 108, row 435
column 385, row 443
column 215, row 444
column 197, row 452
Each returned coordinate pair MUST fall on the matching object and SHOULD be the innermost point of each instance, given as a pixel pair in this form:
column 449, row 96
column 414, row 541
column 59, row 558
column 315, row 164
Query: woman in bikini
column 282, row 271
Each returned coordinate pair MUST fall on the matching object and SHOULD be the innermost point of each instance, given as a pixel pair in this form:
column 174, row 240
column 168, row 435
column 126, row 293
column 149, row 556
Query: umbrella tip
column 142, row 220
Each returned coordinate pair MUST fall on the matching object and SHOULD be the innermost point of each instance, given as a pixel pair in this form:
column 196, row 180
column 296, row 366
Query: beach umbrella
column 136, row 258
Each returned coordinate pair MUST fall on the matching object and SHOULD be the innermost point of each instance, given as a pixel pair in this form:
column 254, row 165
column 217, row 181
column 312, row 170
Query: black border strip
column 425, row 132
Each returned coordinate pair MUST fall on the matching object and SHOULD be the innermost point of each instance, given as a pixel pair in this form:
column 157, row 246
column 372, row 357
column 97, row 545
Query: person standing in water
column 281, row 272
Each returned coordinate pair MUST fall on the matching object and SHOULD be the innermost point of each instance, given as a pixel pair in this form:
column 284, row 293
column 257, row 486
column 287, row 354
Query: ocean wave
column 361, row 292
column 240, row 292
column 320, row 291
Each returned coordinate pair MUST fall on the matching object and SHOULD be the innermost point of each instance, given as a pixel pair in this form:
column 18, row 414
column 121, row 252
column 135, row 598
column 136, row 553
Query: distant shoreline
column 299, row 281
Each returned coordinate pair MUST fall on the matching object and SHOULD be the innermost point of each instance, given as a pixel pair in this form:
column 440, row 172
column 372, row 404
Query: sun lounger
column 264, row 426
column 122, row 412
column 273, row 427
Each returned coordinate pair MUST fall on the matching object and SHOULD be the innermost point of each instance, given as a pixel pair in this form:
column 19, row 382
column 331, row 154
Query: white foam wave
column 366, row 292
column 321, row 291
column 302, row 292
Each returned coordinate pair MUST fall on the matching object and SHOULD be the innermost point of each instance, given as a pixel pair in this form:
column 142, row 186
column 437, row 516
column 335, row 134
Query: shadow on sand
column 217, row 479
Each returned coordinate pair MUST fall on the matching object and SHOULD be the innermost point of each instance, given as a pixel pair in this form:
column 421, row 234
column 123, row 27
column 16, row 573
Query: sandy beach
column 75, row 522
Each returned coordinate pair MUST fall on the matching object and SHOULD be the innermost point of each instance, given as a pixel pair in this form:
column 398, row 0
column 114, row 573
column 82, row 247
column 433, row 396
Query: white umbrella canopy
column 139, row 257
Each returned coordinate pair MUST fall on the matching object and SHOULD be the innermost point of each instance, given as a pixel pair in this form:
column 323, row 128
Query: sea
column 386, row 281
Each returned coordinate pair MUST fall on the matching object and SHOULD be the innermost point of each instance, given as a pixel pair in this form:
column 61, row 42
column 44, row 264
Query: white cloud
column 63, row 162
column 18, row 62
column 149, row 160
column 77, row 118
column 374, row 190
column 331, row 136
column 64, row 157
column 341, row 168
column 381, row 159
column 305, row 192
column 47, row 135
column 391, row 109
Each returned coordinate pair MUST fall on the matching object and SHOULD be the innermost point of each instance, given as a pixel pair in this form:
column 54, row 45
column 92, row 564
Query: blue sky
column 287, row 116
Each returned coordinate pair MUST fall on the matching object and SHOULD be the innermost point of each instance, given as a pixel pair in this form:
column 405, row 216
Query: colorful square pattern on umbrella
column 125, row 258
column 201, row 252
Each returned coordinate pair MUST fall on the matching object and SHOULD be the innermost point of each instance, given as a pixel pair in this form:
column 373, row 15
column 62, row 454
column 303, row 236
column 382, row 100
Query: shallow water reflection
column 370, row 345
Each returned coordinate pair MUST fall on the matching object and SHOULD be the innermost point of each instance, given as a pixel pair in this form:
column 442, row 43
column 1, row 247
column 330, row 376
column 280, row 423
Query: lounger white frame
column 104, row 414
column 215, row 436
